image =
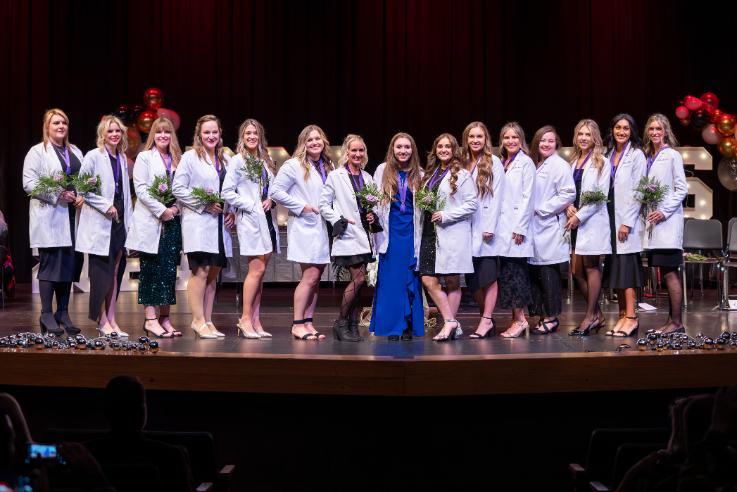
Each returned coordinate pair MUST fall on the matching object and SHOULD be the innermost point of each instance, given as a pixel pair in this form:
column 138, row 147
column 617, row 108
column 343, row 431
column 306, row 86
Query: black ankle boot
column 407, row 334
column 353, row 327
column 49, row 324
column 63, row 319
column 342, row 331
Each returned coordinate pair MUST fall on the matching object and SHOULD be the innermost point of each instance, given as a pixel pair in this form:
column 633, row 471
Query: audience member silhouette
column 125, row 444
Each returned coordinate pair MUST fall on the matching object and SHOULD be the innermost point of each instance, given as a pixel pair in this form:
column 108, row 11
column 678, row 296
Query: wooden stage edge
column 375, row 376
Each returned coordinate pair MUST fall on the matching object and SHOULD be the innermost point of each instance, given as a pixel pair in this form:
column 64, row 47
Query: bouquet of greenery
column 254, row 169
column 370, row 196
column 51, row 184
column 160, row 190
column 206, row 196
column 86, row 183
column 429, row 200
column 593, row 198
column 649, row 192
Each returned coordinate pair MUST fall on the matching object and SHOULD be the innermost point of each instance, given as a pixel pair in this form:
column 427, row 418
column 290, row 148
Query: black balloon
column 700, row 118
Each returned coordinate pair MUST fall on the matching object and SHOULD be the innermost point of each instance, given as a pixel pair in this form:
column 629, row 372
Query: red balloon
column 685, row 121
column 153, row 98
column 692, row 103
column 711, row 99
column 715, row 115
column 682, row 112
column 710, row 134
column 170, row 115
column 145, row 120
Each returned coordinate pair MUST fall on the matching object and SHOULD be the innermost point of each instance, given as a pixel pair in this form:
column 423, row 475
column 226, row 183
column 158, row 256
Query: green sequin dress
column 158, row 276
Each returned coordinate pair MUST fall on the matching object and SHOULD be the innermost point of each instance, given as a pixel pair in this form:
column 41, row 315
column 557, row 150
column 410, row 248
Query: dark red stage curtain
column 372, row 67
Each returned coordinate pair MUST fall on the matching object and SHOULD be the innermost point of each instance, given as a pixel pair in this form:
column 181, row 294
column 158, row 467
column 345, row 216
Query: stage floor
column 533, row 364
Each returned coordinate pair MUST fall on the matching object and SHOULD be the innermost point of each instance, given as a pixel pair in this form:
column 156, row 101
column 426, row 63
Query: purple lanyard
column 509, row 162
column 402, row 182
column 436, row 179
column 320, row 167
column 652, row 159
column 65, row 157
column 357, row 183
column 167, row 162
column 265, row 181
column 615, row 165
column 116, row 169
column 217, row 164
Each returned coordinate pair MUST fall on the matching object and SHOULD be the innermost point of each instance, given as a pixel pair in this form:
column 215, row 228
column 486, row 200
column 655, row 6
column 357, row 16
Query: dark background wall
column 372, row 67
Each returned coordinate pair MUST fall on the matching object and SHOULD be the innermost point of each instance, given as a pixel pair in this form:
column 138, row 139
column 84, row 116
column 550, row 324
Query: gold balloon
column 145, row 120
column 728, row 147
column 725, row 124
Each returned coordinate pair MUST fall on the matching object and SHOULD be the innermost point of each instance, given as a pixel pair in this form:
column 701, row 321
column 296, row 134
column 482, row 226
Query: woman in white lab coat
column 665, row 245
column 554, row 192
column 298, row 187
column 52, row 220
column 623, row 268
column 352, row 248
column 590, row 173
column 397, row 311
column 156, row 231
column 446, row 232
column 512, row 241
column 487, row 174
column 104, row 221
column 246, row 190
column 205, row 226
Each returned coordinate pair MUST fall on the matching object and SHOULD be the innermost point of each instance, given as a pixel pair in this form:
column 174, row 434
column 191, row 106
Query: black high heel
column 489, row 333
column 306, row 336
column 594, row 326
column 317, row 334
column 150, row 333
column 453, row 335
column 542, row 327
column 624, row 334
column 63, row 320
column 49, row 325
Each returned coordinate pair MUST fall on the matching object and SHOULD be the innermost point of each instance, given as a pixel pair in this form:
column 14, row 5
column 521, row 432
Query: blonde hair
column 347, row 141
column 668, row 137
column 389, row 185
column 262, row 151
column 104, row 126
column 300, row 152
column 517, row 128
column 454, row 164
column 47, row 123
column 597, row 152
column 484, row 170
column 164, row 124
column 199, row 146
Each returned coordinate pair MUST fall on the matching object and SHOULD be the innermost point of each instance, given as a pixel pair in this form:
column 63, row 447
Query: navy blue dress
column 398, row 298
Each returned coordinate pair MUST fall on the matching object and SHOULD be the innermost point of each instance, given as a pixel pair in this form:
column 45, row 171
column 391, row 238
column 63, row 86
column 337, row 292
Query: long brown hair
column 262, row 151
column 484, row 168
column 300, row 152
column 535, row 145
column 597, row 153
column 455, row 164
column 389, row 185
column 199, row 146
column 668, row 137
column 164, row 124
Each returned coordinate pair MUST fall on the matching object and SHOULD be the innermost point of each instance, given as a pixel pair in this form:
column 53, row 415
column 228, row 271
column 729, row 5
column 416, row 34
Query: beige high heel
column 243, row 332
column 215, row 331
column 202, row 332
column 523, row 329
column 262, row 333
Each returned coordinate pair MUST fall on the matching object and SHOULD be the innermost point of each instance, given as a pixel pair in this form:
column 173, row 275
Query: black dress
column 429, row 242
column 63, row 264
column 197, row 259
column 363, row 258
column 102, row 268
column 577, row 178
column 621, row 271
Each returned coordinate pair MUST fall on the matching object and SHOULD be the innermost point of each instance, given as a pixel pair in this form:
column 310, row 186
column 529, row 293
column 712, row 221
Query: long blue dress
column 398, row 298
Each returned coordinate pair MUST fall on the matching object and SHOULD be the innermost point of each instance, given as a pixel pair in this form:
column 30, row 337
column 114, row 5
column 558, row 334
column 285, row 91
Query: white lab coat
column 145, row 228
column 48, row 219
column 486, row 216
column 632, row 167
column 307, row 235
column 381, row 239
column 93, row 232
column 452, row 254
column 516, row 209
column 199, row 228
column 339, row 200
column 668, row 169
column 593, row 236
column 554, row 191
column 244, row 194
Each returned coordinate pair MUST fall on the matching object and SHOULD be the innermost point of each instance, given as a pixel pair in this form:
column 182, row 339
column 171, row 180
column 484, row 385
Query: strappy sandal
column 317, row 334
column 624, row 334
column 306, row 336
column 542, row 327
column 489, row 333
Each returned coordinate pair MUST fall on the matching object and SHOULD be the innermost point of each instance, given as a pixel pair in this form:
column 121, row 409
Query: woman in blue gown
column 397, row 311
